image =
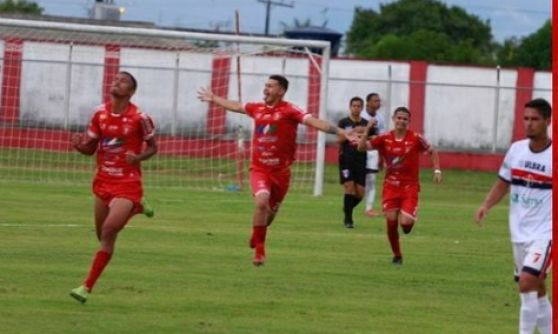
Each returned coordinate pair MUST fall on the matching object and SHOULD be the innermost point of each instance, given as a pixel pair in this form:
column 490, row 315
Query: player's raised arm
column 206, row 95
column 327, row 127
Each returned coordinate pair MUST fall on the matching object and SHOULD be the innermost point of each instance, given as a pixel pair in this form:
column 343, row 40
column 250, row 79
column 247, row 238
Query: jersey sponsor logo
column 526, row 201
column 533, row 165
column 112, row 171
column 396, row 161
column 266, row 129
column 112, row 145
column 269, row 161
column 267, row 139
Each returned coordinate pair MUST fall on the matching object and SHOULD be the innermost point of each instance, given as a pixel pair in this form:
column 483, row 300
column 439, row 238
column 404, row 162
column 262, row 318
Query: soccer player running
column 273, row 150
column 373, row 164
column 352, row 163
column 401, row 148
column 116, row 132
column 527, row 174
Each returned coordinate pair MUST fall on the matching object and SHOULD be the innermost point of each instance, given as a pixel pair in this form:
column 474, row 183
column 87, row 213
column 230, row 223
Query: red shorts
column 401, row 197
column 107, row 191
column 275, row 183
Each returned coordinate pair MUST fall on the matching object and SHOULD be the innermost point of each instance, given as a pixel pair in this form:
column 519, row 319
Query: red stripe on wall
column 314, row 86
column 112, row 66
column 523, row 94
column 448, row 160
column 417, row 94
column 220, row 75
column 11, row 80
column 59, row 140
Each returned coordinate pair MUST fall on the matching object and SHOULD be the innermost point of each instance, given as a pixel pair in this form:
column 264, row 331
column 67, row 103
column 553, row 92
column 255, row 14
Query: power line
column 268, row 4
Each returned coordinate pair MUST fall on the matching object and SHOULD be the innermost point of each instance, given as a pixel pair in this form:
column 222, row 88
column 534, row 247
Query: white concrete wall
column 46, row 94
column 155, row 72
column 542, row 84
column 456, row 116
column 350, row 78
column 86, row 82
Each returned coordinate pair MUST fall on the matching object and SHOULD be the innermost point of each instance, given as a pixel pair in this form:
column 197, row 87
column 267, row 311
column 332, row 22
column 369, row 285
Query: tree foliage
column 534, row 50
column 421, row 30
column 20, row 7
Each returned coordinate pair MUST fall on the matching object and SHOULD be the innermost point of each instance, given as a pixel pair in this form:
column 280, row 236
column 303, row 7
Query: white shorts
column 534, row 257
column 372, row 160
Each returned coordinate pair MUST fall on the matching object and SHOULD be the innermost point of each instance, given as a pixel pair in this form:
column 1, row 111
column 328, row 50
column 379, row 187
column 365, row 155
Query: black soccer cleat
column 397, row 260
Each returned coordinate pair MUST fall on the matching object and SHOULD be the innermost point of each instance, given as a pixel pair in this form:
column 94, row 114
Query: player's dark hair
column 356, row 98
column 134, row 81
column 402, row 109
column 371, row 95
column 542, row 106
column 283, row 82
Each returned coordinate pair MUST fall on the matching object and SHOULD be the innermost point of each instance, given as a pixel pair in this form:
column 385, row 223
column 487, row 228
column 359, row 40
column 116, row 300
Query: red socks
column 258, row 239
column 258, row 235
column 99, row 263
column 393, row 237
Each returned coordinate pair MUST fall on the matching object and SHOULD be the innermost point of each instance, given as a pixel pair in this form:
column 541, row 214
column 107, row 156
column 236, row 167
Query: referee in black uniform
column 352, row 163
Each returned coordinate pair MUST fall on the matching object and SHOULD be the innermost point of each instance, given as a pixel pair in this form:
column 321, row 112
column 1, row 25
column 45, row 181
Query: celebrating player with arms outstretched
column 273, row 150
column 400, row 149
column 527, row 173
column 116, row 132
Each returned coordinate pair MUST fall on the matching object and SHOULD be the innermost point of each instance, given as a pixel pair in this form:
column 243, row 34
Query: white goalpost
column 54, row 74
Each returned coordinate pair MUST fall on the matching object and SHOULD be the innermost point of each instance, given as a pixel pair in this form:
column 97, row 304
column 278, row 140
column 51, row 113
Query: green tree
column 20, row 6
column 535, row 50
column 420, row 29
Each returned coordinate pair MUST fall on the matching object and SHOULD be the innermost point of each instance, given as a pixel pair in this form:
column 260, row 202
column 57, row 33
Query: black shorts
column 357, row 174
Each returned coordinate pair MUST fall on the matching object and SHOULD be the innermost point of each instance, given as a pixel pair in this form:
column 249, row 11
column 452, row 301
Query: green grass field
column 189, row 269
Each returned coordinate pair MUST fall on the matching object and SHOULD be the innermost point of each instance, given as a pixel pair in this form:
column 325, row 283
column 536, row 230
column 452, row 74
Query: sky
column 507, row 17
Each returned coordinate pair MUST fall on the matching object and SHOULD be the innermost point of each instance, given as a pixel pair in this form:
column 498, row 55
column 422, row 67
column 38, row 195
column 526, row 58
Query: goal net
column 53, row 75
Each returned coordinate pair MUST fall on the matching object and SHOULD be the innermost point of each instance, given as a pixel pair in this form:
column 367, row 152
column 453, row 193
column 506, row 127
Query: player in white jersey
column 373, row 103
column 527, row 173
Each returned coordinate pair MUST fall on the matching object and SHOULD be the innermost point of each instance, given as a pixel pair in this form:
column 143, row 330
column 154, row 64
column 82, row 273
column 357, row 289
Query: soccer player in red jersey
column 273, row 150
column 400, row 149
column 117, row 132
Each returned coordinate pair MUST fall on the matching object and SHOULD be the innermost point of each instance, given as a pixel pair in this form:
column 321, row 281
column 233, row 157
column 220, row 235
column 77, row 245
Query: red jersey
column 117, row 135
column 274, row 137
column 401, row 156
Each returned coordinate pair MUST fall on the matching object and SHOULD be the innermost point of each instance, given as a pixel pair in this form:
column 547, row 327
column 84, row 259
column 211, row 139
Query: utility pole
column 268, row 4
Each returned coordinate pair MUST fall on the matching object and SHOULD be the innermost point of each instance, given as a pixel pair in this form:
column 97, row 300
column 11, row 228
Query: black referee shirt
column 348, row 154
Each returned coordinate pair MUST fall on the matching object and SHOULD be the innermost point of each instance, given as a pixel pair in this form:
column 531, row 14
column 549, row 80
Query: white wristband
column 437, row 171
